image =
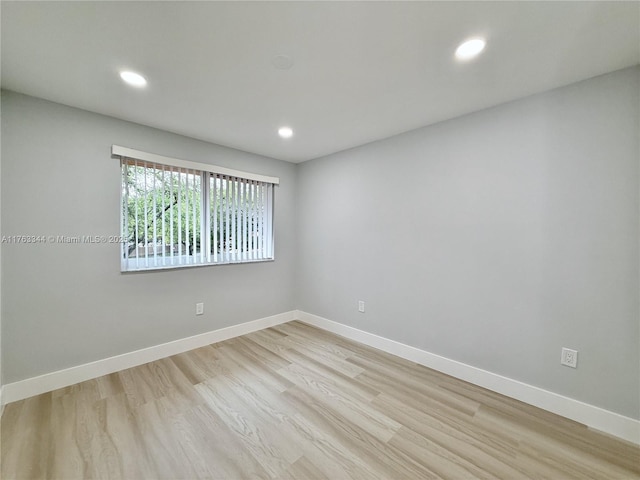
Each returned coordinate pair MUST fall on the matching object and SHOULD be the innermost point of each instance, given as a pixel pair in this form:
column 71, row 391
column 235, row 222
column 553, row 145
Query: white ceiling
column 362, row 71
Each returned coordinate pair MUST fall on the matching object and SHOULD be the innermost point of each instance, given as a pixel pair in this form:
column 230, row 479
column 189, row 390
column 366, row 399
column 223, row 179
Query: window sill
column 192, row 265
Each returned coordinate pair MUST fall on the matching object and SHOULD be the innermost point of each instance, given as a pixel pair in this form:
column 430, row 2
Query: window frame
column 207, row 173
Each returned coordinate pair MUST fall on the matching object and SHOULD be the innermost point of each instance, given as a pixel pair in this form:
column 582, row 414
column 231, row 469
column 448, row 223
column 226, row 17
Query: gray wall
column 493, row 239
column 65, row 305
column 1, row 378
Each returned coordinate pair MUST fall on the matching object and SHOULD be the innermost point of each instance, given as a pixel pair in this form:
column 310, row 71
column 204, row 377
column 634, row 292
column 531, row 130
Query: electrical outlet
column 199, row 308
column 361, row 306
column 569, row 358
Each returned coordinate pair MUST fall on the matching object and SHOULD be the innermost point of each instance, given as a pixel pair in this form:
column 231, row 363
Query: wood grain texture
column 296, row 402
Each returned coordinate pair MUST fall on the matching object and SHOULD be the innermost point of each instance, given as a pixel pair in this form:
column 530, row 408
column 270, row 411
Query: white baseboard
column 63, row 378
column 589, row 415
column 592, row 416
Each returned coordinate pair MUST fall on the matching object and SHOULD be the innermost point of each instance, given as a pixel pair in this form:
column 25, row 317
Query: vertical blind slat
column 221, row 220
column 194, row 226
column 164, row 240
column 214, row 245
column 265, row 190
column 253, row 220
column 155, row 231
column 234, row 209
column 226, row 202
column 179, row 219
column 244, row 220
column 238, row 239
column 186, row 216
column 146, row 220
column 171, row 199
column 205, row 237
column 268, row 211
column 259, row 208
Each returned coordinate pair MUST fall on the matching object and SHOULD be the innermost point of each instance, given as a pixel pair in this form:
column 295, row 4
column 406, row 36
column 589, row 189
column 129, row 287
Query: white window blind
column 176, row 215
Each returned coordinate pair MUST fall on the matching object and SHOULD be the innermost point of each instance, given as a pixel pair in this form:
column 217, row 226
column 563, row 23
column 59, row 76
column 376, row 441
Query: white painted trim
column 592, row 416
column 589, row 415
column 63, row 378
column 118, row 151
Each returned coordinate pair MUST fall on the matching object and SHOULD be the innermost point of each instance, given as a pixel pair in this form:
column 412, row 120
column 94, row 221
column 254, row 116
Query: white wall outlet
column 569, row 357
column 199, row 308
column 361, row 306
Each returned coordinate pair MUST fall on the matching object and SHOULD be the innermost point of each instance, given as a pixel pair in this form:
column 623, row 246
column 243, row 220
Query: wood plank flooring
column 295, row 402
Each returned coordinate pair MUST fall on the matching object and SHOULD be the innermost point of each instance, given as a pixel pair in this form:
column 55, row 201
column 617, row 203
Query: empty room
column 320, row 240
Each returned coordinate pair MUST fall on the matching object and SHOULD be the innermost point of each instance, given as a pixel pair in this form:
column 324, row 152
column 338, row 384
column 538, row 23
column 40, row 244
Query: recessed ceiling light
column 133, row 78
column 470, row 48
column 285, row 132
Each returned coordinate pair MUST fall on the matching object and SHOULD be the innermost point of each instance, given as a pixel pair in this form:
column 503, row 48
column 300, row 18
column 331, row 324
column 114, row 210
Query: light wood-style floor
column 295, row 402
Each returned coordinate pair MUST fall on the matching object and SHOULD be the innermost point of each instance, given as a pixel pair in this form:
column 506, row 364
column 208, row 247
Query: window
column 177, row 213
